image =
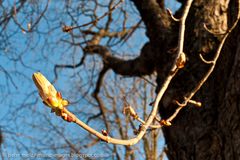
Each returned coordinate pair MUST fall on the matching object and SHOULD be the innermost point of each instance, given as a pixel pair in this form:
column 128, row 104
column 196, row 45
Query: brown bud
column 67, row 28
column 165, row 123
column 135, row 132
column 181, row 60
column 151, row 103
column 66, row 117
column 104, row 132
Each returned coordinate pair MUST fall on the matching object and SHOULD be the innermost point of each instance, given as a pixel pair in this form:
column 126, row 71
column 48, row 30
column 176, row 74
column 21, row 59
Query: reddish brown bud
column 59, row 95
column 151, row 103
column 67, row 28
column 104, row 132
column 135, row 132
column 69, row 118
column 66, row 117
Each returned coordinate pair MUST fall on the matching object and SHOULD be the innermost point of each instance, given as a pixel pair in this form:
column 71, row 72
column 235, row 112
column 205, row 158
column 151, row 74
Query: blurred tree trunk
column 212, row 131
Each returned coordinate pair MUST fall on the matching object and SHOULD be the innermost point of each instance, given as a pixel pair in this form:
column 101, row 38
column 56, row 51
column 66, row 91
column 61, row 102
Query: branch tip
column 181, row 60
column 205, row 61
column 171, row 15
column 67, row 28
column 212, row 32
column 165, row 123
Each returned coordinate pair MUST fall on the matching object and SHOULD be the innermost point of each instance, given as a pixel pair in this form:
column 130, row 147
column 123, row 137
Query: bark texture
column 210, row 132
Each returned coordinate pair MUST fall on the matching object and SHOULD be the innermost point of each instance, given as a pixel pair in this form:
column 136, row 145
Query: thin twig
column 135, row 140
column 204, row 60
column 153, row 113
column 170, row 13
column 30, row 25
column 210, row 31
column 96, row 20
column 180, row 49
column 205, row 77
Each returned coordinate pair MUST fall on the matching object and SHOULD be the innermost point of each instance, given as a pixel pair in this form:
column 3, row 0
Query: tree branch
column 155, row 18
column 139, row 66
column 98, row 99
column 210, row 70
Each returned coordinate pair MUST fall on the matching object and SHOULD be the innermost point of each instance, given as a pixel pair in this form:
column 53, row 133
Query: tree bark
column 213, row 131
